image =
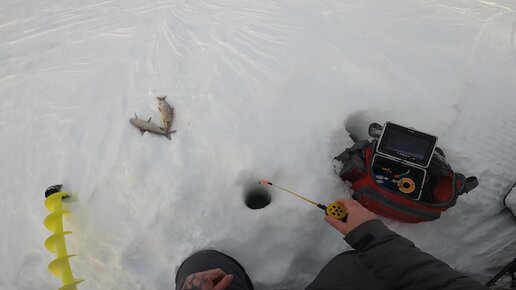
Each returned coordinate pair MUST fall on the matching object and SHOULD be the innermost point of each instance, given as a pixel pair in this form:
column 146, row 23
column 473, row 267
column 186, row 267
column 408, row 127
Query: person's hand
column 214, row 279
column 357, row 215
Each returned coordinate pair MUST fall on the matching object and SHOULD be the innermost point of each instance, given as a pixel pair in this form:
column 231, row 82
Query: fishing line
column 334, row 209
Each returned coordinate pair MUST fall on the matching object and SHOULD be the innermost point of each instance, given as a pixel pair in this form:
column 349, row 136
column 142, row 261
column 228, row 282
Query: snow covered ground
column 262, row 89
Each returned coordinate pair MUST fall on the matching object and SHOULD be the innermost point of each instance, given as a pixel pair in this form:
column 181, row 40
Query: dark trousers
column 343, row 272
column 211, row 259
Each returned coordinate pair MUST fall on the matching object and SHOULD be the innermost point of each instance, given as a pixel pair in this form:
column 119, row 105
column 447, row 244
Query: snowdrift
column 261, row 89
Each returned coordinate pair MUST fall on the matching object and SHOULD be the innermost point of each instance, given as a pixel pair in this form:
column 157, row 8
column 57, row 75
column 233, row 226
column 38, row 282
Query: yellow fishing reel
column 406, row 185
column 337, row 211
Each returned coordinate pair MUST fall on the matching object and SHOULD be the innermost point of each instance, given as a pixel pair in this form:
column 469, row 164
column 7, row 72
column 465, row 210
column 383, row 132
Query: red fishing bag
column 440, row 191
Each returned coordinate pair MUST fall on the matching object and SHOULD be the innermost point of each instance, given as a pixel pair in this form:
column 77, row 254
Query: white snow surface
column 262, row 89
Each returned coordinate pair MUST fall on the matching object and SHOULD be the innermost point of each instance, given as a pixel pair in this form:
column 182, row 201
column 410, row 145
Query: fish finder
column 407, row 144
column 401, row 158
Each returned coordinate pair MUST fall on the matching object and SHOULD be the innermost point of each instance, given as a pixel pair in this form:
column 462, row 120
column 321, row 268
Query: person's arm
column 394, row 260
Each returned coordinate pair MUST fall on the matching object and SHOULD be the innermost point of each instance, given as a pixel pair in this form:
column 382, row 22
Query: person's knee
column 209, row 259
column 205, row 252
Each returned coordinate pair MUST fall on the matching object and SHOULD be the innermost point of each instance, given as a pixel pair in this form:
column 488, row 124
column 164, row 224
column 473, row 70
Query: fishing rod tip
column 265, row 181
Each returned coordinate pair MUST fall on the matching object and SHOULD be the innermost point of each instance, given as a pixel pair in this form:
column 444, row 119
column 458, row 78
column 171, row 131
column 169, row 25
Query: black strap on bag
column 350, row 158
column 346, row 155
column 470, row 184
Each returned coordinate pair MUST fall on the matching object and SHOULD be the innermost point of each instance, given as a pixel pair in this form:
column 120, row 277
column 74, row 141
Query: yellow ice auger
column 59, row 267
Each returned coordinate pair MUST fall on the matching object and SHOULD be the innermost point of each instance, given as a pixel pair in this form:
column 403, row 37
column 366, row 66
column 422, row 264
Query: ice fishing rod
column 334, row 209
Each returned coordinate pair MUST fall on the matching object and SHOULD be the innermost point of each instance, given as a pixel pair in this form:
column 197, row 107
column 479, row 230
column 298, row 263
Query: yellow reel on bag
column 406, row 185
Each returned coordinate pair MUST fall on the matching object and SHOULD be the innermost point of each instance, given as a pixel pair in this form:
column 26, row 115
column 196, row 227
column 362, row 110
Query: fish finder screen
column 407, row 144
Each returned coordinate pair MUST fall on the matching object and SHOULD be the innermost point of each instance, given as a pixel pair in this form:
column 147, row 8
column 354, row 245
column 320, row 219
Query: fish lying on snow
column 167, row 112
column 148, row 126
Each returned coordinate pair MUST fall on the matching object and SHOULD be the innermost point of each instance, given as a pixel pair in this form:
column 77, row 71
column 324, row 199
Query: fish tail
column 161, row 98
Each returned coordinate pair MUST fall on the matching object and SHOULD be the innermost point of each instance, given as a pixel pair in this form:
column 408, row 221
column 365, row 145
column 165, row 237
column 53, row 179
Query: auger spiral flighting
column 60, row 266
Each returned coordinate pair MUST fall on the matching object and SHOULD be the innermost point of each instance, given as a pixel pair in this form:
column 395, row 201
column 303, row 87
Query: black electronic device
column 401, row 158
column 407, row 144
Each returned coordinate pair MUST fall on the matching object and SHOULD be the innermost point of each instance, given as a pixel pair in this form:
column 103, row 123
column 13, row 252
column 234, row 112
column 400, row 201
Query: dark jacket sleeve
column 396, row 262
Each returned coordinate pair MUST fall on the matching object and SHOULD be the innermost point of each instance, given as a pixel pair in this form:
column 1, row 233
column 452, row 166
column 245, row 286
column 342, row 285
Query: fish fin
column 136, row 116
column 149, row 119
column 161, row 98
column 142, row 131
column 167, row 135
column 172, row 131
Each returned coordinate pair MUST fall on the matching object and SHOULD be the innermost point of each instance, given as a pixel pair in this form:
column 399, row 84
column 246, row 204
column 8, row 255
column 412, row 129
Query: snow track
column 261, row 90
column 489, row 123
